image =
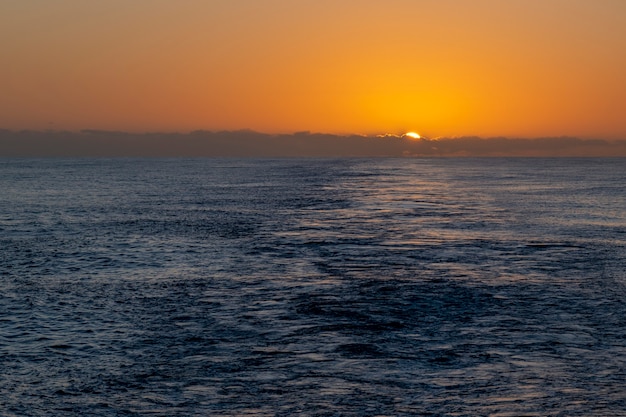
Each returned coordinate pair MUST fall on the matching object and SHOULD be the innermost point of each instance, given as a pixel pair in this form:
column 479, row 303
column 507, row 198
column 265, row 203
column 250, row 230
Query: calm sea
column 350, row 287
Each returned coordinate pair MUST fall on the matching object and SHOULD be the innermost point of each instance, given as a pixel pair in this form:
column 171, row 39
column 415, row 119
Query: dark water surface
column 386, row 287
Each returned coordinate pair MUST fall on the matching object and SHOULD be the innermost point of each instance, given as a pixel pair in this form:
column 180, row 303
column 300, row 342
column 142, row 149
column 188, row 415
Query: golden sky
column 526, row 68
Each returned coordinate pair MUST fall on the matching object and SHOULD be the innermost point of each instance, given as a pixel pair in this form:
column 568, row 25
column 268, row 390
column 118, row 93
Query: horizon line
column 250, row 143
column 381, row 135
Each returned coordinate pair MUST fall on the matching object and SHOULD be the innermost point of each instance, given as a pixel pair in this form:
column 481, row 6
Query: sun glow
column 412, row 135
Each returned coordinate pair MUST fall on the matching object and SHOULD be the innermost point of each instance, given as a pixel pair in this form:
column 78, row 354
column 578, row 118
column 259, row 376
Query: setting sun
column 412, row 135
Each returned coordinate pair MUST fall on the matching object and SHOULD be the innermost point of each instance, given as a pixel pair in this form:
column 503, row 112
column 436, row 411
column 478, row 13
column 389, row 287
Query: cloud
column 500, row 146
column 247, row 143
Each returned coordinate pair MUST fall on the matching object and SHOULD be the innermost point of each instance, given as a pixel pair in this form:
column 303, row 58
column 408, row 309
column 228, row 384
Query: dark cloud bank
column 96, row 143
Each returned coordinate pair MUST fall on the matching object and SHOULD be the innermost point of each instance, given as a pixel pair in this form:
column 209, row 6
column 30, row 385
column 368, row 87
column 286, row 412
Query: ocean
column 313, row 287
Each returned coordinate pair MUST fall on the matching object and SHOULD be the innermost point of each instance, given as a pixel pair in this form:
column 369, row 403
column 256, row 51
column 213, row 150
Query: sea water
column 348, row 287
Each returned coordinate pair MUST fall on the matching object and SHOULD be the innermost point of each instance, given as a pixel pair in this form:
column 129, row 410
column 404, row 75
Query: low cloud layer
column 96, row 143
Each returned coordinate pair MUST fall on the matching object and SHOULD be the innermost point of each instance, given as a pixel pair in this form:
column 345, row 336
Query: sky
column 442, row 68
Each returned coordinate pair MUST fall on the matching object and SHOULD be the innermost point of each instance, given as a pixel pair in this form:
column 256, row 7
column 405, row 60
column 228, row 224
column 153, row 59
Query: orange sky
column 442, row 68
